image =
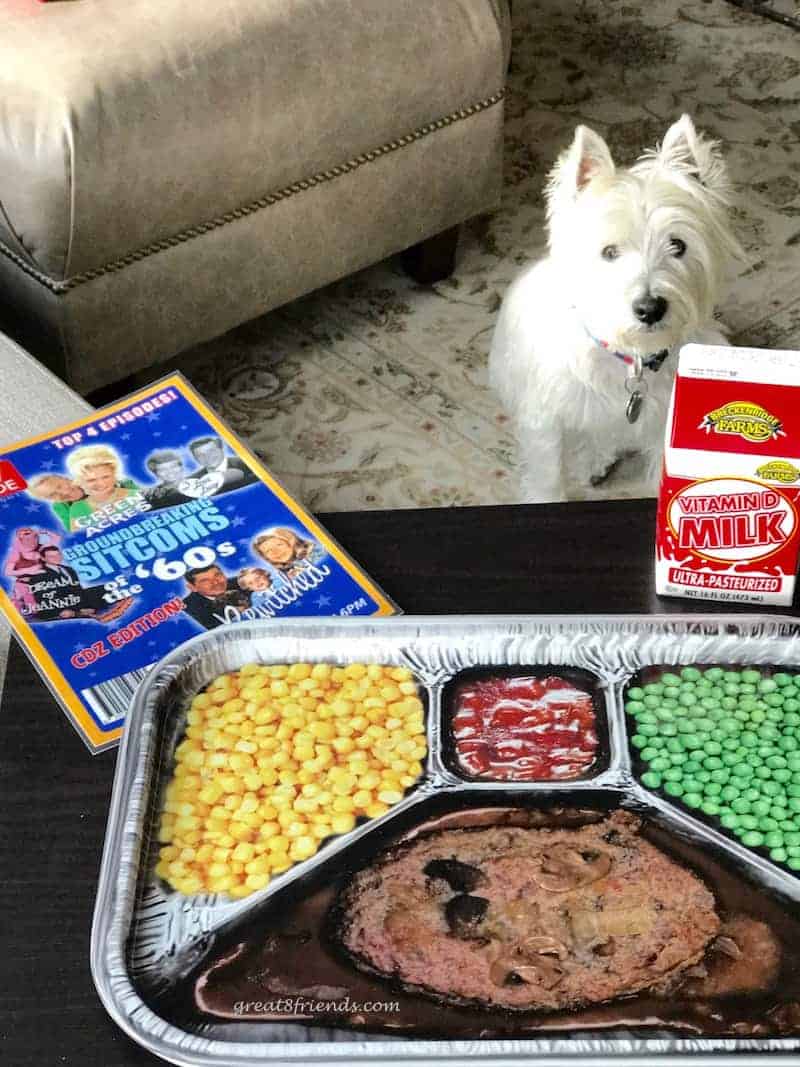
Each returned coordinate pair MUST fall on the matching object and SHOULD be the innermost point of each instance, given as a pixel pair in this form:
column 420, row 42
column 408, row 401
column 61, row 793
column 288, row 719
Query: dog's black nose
column 650, row 309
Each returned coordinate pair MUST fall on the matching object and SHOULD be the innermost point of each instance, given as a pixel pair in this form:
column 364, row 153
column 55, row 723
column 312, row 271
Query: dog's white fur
column 565, row 392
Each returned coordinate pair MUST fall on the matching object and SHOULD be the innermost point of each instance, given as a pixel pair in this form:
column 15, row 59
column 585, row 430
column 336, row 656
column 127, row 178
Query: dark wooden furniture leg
column 434, row 259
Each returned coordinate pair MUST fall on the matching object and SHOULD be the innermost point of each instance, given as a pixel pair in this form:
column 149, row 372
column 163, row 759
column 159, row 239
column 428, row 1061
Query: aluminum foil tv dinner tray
column 433, row 839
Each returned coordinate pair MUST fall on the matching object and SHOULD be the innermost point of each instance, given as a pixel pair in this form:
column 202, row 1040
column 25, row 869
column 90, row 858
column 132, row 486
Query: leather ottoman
column 169, row 169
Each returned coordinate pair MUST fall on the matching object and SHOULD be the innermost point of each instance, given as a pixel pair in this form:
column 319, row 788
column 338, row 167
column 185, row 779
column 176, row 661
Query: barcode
column 111, row 700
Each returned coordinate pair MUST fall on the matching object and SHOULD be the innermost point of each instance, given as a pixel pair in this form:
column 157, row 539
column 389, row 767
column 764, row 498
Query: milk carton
column 727, row 526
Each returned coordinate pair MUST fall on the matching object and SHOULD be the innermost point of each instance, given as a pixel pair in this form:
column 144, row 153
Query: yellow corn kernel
column 279, row 843
column 362, row 798
column 240, row 891
column 320, row 830
column 343, row 822
column 243, row 852
column 302, row 848
column 343, row 804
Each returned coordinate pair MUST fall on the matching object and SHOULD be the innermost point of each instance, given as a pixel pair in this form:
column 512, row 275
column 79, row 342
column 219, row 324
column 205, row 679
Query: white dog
column 584, row 351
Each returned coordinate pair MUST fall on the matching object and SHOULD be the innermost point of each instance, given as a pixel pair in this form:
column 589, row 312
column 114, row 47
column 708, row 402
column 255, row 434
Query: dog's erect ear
column 587, row 158
column 683, row 148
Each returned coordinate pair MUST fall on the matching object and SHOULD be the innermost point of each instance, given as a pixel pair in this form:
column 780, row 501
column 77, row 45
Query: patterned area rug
column 372, row 393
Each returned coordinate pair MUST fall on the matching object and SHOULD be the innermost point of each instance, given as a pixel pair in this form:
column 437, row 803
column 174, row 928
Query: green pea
column 767, row 685
column 665, row 714
column 778, row 855
column 708, row 703
column 788, row 743
column 751, row 794
column 659, row 764
column 651, row 780
column 649, row 754
column 674, row 789
column 772, row 789
column 691, row 783
column 763, row 773
column 677, row 759
column 671, row 692
column 792, row 837
column 691, row 742
column 793, row 789
column 729, row 793
column 776, row 761
column 713, row 674
column 654, row 687
column 790, row 716
column 730, row 758
column 674, row 745
column 713, row 763
column 731, row 689
column 773, row 839
column 793, row 763
column 793, row 804
column 634, row 707
column 753, row 839
column 740, row 805
column 668, row 729
column 789, row 826
column 673, row 774
column 774, row 715
column 729, row 703
column 757, row 716
column 751, row 676
column 765, row 823
column 793, row 863
column 690, row 674
column 671, row 680
column 720, row 776
column 748, row 822
column 692, row 800
column 782, row 680
column 647, row 729
column 729, row 820
column 793, row 850
column 710, row 807
column 791, row 704
column 639, row 741
column 774, row 700
column 732, row 676
column 747, row 689
column 687, row 699
column 713, row 789
column 761, row 807
column 650, row 700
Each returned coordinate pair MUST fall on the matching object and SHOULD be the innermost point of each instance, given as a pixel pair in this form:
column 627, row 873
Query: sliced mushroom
column 534, row 961
column 564, row 867
column 727, row 946
column 464, row 914
column 461, row 877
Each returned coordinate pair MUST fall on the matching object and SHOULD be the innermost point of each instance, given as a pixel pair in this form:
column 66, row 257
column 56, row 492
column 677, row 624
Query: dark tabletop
column 571, row 558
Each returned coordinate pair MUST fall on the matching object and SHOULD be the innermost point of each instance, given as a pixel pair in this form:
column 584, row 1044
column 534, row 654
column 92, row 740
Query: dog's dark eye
column 676, row 247
column 610, row 252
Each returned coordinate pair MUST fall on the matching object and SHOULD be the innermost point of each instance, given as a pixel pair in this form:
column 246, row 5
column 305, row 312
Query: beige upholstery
column 169, row 168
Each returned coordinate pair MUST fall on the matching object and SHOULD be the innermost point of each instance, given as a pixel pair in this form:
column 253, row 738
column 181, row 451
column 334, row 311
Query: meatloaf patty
column 527, row 919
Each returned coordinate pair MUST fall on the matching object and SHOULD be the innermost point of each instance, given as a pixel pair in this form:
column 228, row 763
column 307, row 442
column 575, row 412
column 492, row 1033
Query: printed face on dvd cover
column 210, row 583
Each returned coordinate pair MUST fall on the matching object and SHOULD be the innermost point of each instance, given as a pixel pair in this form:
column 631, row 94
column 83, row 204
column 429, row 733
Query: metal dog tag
column 635, row 401
column 637, row 387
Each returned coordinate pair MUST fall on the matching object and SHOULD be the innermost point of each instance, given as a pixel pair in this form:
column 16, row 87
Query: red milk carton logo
column 728, row 523
column 11, row 481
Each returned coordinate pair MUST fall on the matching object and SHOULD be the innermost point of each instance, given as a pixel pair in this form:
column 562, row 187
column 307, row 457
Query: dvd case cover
column 141, row 525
